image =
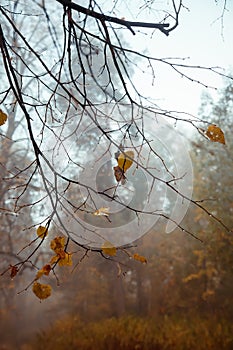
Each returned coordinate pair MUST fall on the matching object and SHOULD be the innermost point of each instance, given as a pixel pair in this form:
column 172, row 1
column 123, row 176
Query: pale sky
column 199, row 36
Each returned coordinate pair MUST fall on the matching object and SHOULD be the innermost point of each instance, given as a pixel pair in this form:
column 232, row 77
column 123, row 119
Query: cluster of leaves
column 61, row 257
column 138, row 333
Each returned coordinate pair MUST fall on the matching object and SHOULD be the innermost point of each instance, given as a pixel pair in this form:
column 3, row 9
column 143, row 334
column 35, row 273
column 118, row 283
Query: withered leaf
column 215, row 134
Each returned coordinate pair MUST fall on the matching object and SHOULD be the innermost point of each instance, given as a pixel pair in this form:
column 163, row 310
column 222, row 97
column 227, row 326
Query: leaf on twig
column 66, row 260
column 215, row 134
column 3, row 117
column 119, row 174
column 63, row 258
column 140, row 258
column 125, row 160
column 103, row 211
column 57, row 244
column 42, row 231
column 42, row 291
column 109, row 249
column 44, row 271
column 14, row 270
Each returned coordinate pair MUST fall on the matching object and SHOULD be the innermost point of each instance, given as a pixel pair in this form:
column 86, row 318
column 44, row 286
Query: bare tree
column 102, row 155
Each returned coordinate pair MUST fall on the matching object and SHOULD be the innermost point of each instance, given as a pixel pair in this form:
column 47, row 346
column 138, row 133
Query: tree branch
column 105, row 18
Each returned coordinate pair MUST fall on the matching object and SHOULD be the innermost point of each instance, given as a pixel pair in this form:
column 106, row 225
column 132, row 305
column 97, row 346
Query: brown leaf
column 3, row 117
column 14, row 270
column 42, row 291
column 119, row 174
column 44, row 271
column 215, row 134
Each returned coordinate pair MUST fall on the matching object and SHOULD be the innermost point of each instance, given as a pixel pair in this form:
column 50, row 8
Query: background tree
column 214, row 183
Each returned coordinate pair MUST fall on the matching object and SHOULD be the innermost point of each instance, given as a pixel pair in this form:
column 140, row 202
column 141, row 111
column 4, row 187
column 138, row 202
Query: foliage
column 138, row 333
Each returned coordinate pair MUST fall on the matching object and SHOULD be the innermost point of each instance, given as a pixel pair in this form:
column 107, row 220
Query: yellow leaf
column 57, row 244
column 66, row 261
column 42, row 231
column 42, row 291
column 3, row 117
column 44, row 271
column 102, row 212
column 215, row 134
column 140, row 258
column 109, row 249
column 125, row 160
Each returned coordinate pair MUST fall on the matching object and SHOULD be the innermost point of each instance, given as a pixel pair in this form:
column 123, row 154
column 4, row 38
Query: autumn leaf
column 44, row 271
column 125, row 160
column 42, row 291
column 3, row 117
column 140, row 258
column 109, row 249
column 215, row 134
column 66, row 260
column 62, row 258
column 14, row 270
column 57, row 244
column 119, row 174
column 42, row 231
column 102, row 212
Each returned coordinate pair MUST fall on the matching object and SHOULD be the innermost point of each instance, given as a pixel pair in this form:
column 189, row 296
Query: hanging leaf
column 42, row 291
column 215, row 134
column 140, row 258
column 14, row 270
column 125, row 160
column 42, row 231
column 119, row 174
column 44, row 271
column 3, row 117
column 109, row 249
column 66, row 260
column 57, row 244
column 103, row 211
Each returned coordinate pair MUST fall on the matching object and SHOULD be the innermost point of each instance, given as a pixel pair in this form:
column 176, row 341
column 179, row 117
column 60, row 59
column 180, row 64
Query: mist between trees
column 107, row 208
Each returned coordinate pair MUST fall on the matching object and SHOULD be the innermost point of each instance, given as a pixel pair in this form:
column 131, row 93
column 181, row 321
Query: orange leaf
column 215, row 134
column 66, row 261
column 140, row 258
column 42, row 231
column 44, row 271
column 42, row 291
column 57, row 244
